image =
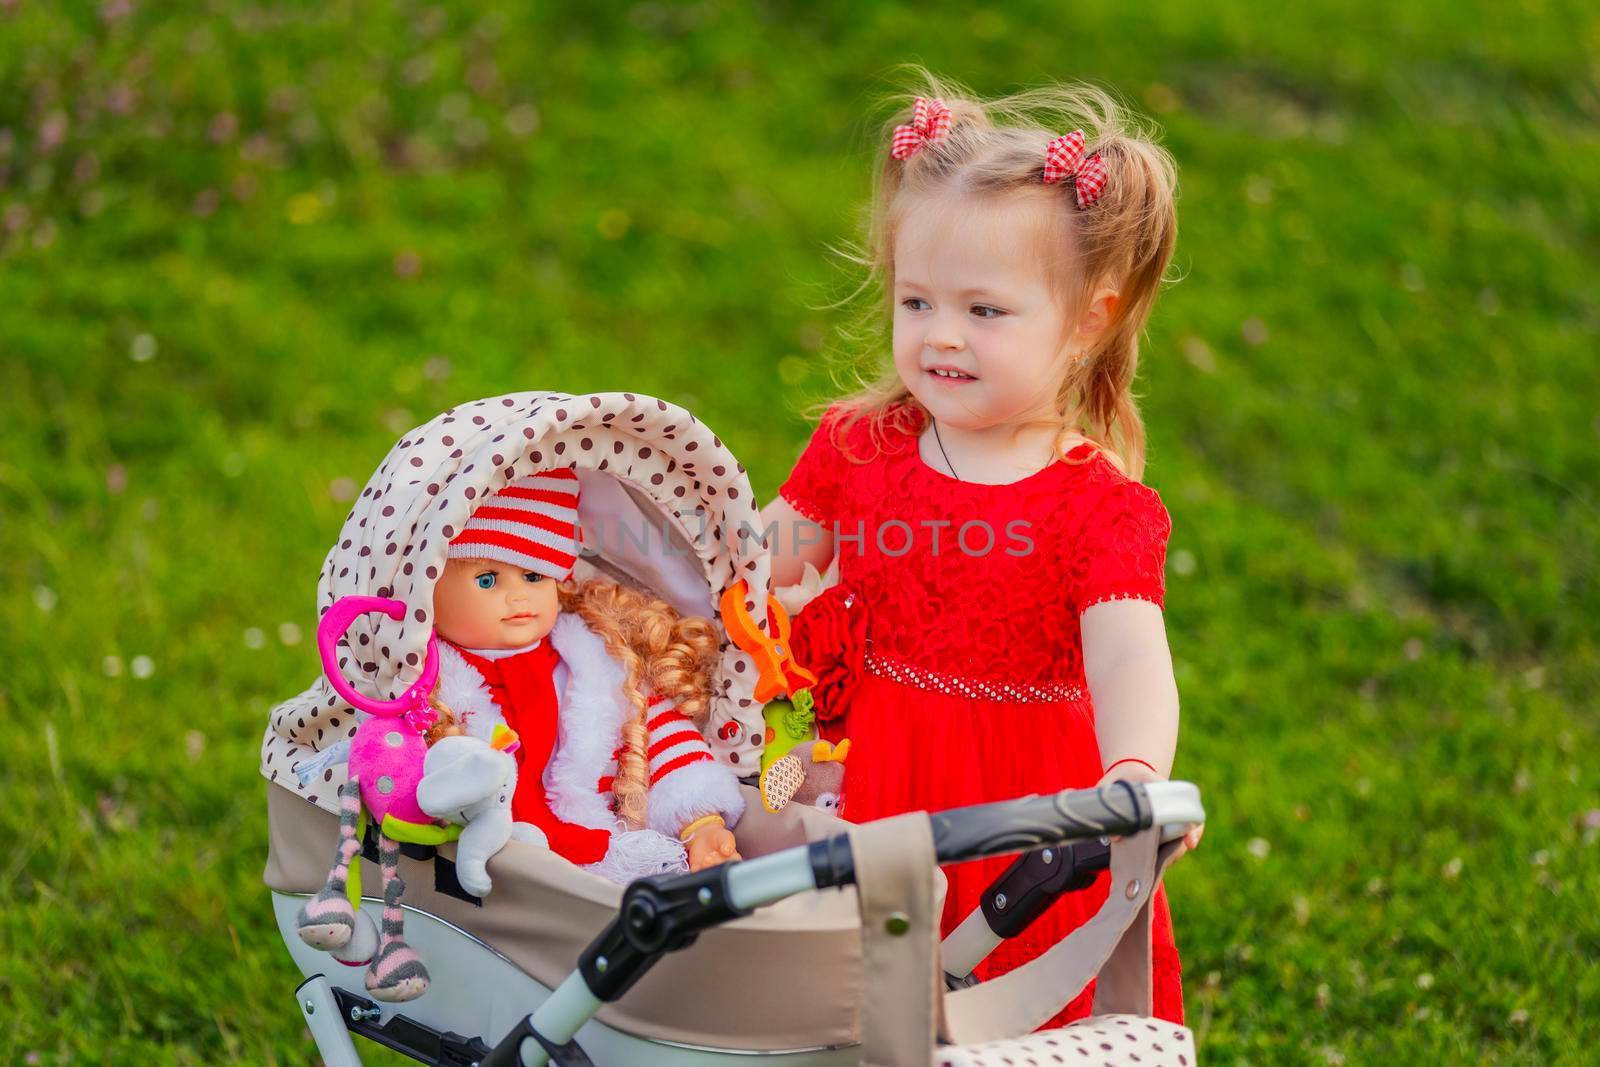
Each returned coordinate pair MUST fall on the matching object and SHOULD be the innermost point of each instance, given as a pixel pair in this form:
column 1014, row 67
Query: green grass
column 320, row 223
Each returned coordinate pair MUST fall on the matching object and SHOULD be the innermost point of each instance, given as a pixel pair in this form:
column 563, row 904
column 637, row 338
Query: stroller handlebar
column 960, row 834
column 665, row 913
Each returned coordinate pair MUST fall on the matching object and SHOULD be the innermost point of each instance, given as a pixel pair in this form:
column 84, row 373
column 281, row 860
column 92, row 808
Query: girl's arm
column 1129, row 669
column 794, row 542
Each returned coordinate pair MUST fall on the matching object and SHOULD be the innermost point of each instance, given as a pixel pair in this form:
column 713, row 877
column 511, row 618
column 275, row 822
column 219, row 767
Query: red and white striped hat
column 532, row 523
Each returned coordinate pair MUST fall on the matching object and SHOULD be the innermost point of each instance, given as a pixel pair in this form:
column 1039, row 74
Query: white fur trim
column 638, row 854
column 690, row 792
column 463, row 691
column 589, row 727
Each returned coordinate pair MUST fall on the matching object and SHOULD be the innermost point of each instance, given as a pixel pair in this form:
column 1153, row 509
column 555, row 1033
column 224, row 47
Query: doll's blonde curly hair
column 663, row 653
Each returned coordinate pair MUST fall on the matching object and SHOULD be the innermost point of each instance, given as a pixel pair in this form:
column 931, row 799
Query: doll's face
column 483, row 603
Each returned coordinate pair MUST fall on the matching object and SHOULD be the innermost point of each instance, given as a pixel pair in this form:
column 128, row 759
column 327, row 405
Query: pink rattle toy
column 387, row 751
column 385, row 768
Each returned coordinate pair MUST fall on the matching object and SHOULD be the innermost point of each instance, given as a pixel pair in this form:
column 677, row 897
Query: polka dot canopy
column 395, row 539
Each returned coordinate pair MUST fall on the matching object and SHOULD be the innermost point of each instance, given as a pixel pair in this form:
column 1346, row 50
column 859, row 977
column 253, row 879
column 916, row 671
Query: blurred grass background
column 244, row 245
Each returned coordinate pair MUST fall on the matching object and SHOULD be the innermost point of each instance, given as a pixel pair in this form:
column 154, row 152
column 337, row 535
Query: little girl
column 995, row 547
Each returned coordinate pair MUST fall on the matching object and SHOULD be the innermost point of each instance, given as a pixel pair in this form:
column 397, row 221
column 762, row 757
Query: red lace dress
column 969, row 686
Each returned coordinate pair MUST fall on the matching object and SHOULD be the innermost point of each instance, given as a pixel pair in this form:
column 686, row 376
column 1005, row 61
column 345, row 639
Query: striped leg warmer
column 396, row 973
column 327, row 920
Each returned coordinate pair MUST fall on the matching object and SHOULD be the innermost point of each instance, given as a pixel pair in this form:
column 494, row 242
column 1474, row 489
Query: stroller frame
column 664, row 914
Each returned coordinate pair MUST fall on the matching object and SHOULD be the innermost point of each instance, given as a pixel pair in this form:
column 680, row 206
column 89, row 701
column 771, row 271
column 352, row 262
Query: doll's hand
column 1138, row 773
column 710, row 846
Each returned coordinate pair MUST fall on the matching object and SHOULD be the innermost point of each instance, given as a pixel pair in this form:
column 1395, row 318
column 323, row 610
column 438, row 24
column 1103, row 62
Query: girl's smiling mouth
column 950, row 374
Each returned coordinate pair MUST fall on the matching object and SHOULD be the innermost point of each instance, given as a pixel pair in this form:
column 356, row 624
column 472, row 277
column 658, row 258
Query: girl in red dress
column 996, row 627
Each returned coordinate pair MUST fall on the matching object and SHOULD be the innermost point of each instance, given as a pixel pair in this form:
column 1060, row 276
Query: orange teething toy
column 777, row 672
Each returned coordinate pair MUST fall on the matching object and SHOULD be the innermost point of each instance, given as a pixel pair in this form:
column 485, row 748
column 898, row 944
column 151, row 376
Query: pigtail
column 1125, row 240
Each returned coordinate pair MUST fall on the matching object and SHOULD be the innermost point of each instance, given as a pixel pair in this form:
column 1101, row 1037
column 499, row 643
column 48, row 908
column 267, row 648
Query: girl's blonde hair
column 661, row 652
column 1123, row 241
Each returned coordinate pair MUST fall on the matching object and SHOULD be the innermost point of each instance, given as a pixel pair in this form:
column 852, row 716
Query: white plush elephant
column 466, row 782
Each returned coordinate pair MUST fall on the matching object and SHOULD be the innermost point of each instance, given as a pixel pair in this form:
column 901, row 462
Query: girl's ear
column 1102, row 308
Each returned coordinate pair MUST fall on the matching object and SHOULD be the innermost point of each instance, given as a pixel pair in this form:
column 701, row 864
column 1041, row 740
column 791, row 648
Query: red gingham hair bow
column 930, row 121
column 1063, row 158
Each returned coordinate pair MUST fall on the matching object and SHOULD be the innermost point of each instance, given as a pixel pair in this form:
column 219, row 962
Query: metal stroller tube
column 666, row 913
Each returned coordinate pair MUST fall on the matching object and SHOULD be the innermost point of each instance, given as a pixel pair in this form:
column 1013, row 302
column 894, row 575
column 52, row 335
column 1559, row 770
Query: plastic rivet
column 601, row 963
column 1049, row 857
column 897, row 923
column 1133, row 888
column 1000, row 902
column 393, row 739
column 704, row 896
column 386, row 785
column 311, row 1007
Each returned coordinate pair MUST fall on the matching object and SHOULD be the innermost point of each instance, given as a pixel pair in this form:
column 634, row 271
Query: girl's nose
column 944, row 336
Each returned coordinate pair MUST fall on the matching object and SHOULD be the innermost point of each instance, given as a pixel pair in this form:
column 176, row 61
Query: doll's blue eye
column 532, row 577
column 486, row 580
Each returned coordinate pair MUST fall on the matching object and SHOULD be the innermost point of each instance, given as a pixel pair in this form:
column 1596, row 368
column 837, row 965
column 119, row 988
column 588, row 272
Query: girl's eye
column 532, row 577
column 985, row 311
column 486, row 580
column 914, row 303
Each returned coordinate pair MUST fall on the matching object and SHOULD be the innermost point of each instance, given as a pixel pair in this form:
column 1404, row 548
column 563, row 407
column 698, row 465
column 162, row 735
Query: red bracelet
column 1132, row 759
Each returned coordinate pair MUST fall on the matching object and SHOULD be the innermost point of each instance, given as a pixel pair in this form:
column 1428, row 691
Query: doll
column 603, row 685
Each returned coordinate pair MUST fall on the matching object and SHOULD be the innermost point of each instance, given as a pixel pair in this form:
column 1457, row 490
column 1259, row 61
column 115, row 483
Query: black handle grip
column 999, row 829
column 1112, row 810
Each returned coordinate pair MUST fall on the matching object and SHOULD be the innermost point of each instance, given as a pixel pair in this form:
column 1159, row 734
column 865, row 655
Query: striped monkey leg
column 396, row 973
column 327, row 920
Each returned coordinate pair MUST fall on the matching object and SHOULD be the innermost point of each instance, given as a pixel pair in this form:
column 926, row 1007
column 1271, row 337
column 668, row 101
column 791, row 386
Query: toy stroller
column 801, row 977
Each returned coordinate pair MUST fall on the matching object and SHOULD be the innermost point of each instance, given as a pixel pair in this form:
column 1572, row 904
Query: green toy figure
column 788, row 724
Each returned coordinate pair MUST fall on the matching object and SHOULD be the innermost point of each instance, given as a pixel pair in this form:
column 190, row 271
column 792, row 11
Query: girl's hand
column 1139, row 773
column 710, row 846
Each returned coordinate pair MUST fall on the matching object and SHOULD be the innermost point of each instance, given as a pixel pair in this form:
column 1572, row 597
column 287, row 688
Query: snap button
column 1133, row 888
column 897, row 923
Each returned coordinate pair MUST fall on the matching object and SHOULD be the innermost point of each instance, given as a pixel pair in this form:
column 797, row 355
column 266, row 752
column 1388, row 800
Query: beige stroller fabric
column 788, row 976
column 900, row 938
column 990, row 1023
column 664, row 506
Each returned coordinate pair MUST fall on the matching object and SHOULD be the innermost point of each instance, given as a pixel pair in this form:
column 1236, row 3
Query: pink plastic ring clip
column 333, row 626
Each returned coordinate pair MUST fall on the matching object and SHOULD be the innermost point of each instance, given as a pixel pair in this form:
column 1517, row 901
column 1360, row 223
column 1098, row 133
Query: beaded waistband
column 975, row 688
